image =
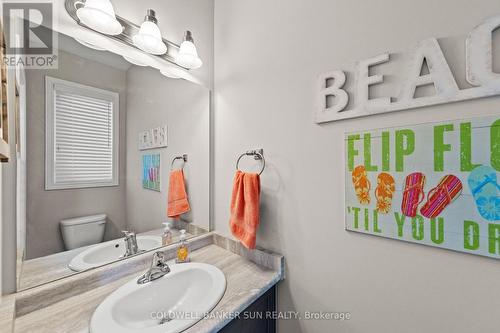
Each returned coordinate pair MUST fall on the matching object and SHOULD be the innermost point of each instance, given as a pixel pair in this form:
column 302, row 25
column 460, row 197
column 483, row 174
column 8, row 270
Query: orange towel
column 177, row 197
column 245, row 211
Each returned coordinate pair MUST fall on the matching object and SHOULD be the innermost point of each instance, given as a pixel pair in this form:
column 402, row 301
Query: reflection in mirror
column 104, row 140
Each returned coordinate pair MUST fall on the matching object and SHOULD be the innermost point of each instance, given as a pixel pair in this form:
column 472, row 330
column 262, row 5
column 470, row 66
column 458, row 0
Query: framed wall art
column 151, row 172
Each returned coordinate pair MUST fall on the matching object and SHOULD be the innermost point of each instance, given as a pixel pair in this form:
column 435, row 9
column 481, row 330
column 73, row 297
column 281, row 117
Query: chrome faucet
column 158, row 269
column 131, row 247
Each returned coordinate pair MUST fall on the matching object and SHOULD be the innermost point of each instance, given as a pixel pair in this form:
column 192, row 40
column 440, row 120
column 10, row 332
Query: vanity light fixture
column 188, row 55
column 134, row 61
column 149, row 38
column 100, row 16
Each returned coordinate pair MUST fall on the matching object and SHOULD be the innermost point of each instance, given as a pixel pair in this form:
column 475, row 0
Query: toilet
column 83, row 231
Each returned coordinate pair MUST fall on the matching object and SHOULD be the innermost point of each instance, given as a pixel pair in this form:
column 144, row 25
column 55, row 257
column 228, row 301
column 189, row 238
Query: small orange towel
column 245, row 210
column 177, row 197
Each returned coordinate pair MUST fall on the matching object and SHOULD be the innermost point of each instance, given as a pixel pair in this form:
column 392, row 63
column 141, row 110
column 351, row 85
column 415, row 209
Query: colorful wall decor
column 153, row 138
column 435, row 184
column 151, row 172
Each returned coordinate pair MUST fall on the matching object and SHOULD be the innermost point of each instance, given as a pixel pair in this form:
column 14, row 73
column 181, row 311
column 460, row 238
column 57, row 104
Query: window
column 81, row 146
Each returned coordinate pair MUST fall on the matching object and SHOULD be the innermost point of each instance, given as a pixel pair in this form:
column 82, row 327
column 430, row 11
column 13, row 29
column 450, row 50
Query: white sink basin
column 104, row 253
column 182, row 297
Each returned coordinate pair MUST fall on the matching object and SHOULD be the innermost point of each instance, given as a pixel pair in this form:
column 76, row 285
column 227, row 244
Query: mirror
column 99, row 138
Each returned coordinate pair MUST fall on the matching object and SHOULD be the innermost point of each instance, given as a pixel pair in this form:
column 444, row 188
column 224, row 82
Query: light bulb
column 188, row 55
column 149, row 38
column 99, row 15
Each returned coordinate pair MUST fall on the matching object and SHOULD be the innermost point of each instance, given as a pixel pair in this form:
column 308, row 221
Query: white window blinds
column 81, row 136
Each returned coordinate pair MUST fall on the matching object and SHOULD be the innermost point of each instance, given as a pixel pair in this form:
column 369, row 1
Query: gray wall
column 154, row 100
column 46, row 208
column 268, row 55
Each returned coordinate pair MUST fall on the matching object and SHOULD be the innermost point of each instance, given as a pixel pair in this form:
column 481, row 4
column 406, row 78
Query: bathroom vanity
column 251, row 276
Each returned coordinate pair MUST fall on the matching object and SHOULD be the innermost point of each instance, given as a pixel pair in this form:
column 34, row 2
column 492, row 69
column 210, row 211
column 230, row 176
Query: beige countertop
column 249, row 274
column 7, row 309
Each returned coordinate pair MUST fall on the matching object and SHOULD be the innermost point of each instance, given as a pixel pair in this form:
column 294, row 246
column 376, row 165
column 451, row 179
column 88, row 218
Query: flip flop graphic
column 485, row 189
column 413, row 193
column 448, row 189
column 361, row 184
column 384, row 192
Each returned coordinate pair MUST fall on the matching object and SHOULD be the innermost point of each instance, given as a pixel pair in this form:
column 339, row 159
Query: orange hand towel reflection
column 177, row 197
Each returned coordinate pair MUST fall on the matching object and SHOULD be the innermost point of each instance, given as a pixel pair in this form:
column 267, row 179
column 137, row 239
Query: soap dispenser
column 182, row 250
column 166, row 237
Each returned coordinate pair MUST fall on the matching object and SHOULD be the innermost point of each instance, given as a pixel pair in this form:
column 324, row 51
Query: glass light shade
column 188, row 56
column 149, row 39
column 100, row 16
column 90, row 45
column 170, row 73
column 134, row 61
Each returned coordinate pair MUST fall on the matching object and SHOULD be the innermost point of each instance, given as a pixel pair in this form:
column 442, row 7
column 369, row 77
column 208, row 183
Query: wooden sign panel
column 435, row 184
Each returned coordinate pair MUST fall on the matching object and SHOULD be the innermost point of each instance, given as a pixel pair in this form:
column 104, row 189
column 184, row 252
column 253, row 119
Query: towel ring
column 258, row 154
column 183, row 157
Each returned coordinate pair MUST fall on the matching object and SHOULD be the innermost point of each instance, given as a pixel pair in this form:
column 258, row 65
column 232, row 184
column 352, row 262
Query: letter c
column 478, row 53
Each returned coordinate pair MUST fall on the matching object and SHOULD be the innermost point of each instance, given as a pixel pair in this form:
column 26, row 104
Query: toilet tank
column 83, row 231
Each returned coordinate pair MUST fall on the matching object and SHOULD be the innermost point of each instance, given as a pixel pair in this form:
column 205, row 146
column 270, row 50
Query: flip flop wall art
column 435, row 184
column 384, row 192
column 361, row 184
column 413, row 193
column 485, row 189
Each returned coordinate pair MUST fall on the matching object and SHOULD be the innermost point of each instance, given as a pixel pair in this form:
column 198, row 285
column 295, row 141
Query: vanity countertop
column 55, row 266
column 7, row 309
column 246, row 281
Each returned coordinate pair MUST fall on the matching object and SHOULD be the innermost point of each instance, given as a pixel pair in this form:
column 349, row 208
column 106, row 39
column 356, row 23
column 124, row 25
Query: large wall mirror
column 100, row 138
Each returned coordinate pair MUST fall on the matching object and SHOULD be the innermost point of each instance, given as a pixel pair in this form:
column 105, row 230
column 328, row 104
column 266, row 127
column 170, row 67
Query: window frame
column 51, row 86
